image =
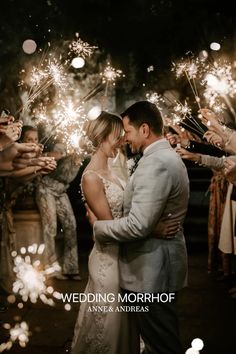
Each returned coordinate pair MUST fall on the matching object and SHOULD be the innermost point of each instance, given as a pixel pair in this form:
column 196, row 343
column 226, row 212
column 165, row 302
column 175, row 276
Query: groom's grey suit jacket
column 159, row 187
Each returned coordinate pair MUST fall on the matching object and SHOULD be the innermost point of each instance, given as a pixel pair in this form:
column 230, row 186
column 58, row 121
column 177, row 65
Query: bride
column 103, row 332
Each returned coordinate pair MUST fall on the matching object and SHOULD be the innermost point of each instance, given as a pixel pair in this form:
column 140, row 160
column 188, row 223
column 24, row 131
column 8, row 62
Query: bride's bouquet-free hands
column 166, row 229
column 90, row 215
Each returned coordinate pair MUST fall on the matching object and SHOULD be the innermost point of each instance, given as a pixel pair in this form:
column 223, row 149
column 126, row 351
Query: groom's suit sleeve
column 152, row 185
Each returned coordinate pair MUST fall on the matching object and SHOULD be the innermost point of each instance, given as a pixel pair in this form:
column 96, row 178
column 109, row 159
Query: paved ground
column 205, row 308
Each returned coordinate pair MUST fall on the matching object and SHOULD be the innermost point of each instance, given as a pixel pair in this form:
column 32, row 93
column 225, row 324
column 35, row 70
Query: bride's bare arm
column 96, row 200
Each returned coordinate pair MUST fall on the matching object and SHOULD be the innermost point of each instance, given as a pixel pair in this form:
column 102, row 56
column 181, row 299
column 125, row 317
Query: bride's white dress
column 104, row 332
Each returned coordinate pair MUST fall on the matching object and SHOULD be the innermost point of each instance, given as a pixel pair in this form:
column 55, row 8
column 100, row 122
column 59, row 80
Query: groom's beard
column 136, row 150
column 133, row 149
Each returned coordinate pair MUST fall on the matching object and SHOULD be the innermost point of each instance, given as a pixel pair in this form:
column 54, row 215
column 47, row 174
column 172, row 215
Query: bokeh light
column 29, row 46
column 77, row 62
column 197, row 344
column 94, row 112
column 215, row 46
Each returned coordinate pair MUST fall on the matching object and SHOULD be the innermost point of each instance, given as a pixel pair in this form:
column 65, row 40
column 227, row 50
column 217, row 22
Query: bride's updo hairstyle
column 98, row 130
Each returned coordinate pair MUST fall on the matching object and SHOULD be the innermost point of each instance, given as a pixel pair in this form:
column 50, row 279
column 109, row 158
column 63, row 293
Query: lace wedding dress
column 104, row 332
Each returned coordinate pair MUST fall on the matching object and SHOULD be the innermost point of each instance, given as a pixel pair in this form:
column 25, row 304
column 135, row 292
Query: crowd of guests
column 25, row 169
column 24, row 162
column 217, row 151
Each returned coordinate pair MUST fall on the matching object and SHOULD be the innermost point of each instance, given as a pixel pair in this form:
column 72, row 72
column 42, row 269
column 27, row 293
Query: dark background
column 136, row 33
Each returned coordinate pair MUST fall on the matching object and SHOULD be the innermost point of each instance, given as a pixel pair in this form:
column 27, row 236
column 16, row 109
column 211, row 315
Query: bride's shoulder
column 91, row 185
column 90, row 177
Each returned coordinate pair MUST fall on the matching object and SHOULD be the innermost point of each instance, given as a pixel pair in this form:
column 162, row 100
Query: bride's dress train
column 104, row 332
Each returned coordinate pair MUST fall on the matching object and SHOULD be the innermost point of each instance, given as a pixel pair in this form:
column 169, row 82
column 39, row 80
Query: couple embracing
column 133, row 253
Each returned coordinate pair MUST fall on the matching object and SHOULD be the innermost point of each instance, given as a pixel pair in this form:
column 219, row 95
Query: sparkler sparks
column 30, row 279
column 20, row 332
column 182, row 115
column 190, row 68
column 182, row 109
column 63, row 115
column 65, row 121
column 220, row 79
column 155, row 98
column 110, row 74
column 81, row 48
column 56, row 72
column 186, row 68
column 50, row 72
column 219, row 84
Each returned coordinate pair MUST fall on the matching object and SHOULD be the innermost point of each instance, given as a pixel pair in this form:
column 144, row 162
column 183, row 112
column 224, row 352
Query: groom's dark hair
column 145, row 112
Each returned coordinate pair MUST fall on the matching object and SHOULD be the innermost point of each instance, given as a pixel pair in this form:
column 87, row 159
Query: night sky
column 144, row 32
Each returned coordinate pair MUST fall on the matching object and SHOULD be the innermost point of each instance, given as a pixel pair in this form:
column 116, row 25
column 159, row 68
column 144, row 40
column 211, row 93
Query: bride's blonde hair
column 96, row 131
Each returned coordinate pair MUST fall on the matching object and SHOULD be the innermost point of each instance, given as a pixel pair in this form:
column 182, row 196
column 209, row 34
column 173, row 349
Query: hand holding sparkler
column 173, row 139
column 187, row 155
column 50, row 166
column 218, row 134
column 9, row 132
column 210, row 119
column 180, row 138
column 22, row 154
column 47, row 164
column 230, row 170
column 225, row 139
column 16, row 150
column 6, row 118
column 214, row 139
column 41, row 147
column 38, row 166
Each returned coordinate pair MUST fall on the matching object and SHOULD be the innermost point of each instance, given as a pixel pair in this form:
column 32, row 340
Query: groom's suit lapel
column 154, row 149
column 162, row 144
column 128, row 193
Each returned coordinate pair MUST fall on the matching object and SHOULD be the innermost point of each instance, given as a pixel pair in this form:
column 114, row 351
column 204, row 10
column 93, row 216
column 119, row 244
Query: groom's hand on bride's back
column 166, row 229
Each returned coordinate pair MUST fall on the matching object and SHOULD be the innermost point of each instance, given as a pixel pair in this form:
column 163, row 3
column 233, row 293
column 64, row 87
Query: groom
column 158, row 188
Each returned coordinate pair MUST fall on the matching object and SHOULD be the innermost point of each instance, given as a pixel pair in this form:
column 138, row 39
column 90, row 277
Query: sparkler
column 110, row 75
column 65, row 121
column 81, row 48
column 64, row 117
column 217, row 79
column 220, row 83
column 182, row 115
column 67, row 118
column 20, row 332
column 29, row 284
column 30, row 279
column 190, row 69
column 155, row 98
column 51, row 73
